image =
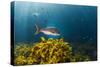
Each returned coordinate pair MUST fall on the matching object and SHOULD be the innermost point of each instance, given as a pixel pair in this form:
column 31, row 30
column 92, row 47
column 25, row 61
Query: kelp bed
column 48, row 51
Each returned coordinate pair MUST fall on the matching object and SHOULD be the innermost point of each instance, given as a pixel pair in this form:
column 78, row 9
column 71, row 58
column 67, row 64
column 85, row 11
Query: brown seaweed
column 46, row 52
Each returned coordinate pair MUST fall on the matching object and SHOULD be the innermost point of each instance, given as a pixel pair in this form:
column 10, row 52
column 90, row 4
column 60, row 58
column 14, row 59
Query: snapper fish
column 48, row 31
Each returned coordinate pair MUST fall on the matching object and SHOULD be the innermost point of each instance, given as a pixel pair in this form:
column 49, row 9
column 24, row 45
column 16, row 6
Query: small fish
column 48, row 31
column 36, row 14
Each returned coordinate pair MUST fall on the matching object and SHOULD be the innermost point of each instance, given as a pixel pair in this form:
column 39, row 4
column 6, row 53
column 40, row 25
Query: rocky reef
column 47, row 51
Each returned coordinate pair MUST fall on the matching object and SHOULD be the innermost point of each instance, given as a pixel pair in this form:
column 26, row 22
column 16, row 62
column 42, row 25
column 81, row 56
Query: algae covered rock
column 47, row 51
column 44, row 52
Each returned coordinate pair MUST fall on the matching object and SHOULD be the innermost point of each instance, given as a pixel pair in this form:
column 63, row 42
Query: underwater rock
column 45, row 52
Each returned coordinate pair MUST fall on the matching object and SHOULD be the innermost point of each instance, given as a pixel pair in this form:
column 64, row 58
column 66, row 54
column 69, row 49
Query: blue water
column 77, row 24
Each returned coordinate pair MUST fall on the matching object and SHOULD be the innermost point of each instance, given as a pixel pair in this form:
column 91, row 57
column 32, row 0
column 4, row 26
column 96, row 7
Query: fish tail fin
column 37, row 29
